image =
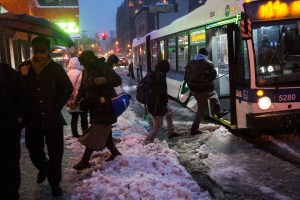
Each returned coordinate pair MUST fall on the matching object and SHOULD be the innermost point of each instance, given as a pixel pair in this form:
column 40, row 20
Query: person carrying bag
column 96, row 91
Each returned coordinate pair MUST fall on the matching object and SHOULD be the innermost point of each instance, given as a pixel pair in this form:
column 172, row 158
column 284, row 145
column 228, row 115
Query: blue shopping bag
column 120, row 103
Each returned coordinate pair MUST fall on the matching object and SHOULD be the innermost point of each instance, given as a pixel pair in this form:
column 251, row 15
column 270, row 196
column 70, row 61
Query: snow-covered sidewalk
column 142, row 171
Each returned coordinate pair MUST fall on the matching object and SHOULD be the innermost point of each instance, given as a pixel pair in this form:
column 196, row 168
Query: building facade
column 136, row 18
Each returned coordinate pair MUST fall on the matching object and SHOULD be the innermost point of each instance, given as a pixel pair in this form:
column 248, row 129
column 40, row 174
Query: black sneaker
column 56, row 190
column 222, row 113
column 196, row 132
column 81, row 165
column 174, row 135
column 41, row 177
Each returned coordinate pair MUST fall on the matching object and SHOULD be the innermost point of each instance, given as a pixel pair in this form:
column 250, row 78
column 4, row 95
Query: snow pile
column 142, row 171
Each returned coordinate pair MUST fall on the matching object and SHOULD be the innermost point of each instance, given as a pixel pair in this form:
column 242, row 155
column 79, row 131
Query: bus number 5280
column 287, row 97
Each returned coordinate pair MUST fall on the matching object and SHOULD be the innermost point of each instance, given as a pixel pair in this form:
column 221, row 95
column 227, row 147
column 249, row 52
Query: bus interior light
column 264, row 103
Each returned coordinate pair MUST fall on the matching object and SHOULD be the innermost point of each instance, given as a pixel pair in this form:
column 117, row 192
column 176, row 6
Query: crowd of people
column 32, row 98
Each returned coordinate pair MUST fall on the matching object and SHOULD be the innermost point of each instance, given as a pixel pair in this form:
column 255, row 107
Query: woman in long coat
column 95, row 93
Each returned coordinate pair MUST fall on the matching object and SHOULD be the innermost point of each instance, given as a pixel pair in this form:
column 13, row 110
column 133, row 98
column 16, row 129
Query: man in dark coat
column 200, row 74
column 47, row 88
column 11, row 115
column 158, row 106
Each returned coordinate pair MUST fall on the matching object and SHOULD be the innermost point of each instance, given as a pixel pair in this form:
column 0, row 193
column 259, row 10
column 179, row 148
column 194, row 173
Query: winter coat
column 47, row 93
column 75, row 76
column 159, row 95
column 200, row 74
column 11, row 107
column 100, row 112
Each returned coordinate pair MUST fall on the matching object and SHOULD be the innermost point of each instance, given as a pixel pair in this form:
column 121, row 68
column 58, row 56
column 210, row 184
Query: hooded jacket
column 200, row 74
column 75, row 76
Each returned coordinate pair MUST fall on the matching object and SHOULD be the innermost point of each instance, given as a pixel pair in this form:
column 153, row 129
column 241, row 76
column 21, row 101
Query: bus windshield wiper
column 278, row 42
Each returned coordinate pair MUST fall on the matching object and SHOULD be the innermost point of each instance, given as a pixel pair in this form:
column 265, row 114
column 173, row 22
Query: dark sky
column 98, row 15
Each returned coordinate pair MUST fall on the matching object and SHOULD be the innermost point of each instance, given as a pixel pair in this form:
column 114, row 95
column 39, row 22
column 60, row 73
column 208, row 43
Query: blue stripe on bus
column 276, row 95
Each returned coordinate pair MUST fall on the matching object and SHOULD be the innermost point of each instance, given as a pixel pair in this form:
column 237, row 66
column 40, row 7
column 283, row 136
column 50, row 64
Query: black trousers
column 74, row 121
column 35, row 143
column 10, row 153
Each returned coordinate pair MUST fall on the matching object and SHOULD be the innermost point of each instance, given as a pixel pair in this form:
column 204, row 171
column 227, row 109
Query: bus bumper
column 280, row 120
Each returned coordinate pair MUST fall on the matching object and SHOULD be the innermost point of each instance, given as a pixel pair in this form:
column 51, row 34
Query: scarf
column 39, row 62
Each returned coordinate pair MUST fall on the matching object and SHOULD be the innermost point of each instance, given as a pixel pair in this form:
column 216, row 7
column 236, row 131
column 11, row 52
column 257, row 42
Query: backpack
column 144, row 89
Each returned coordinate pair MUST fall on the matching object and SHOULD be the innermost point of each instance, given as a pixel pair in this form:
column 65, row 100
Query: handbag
column 120, row 103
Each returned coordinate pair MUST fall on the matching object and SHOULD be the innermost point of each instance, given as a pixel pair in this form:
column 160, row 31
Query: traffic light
column 103, row 36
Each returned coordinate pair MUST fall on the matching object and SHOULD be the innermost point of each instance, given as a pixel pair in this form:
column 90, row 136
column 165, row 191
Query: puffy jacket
column 75, row 76
column 200, row 74
column 47, row 93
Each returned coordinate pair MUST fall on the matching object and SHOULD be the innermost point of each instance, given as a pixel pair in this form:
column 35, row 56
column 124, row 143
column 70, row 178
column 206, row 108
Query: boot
column 114, row 154
column 112, row 147
column 76, row 135
column 222, row 113
column 42, row 175
column 74, row 130
column 74, row 120
column 84, row 163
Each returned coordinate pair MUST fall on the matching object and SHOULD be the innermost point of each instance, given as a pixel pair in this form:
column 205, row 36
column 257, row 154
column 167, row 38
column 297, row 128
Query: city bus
column 255, row 48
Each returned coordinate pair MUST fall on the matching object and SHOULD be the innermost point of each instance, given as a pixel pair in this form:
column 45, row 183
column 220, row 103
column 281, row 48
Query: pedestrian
column 96, row 91
column 12, row 114
column 131, row 71
column 200, row 74
column 139, row 69
column 158, row 106
column 75, row 75
column 112, row 61
column 47, row 89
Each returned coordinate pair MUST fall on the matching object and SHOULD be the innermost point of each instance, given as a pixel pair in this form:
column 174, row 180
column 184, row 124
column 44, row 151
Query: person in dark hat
column 158, row 106
column 199, row 75
column 47, row 90
column 12, row 114
column 112, row 61
column 95, row 93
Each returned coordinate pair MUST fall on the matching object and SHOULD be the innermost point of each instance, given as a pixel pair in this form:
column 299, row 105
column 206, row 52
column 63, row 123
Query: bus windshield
column 277, row 53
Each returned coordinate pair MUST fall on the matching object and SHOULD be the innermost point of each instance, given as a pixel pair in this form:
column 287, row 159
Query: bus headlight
column 264, row 103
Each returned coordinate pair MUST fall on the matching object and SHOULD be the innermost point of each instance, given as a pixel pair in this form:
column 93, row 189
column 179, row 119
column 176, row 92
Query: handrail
column 222, row 75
